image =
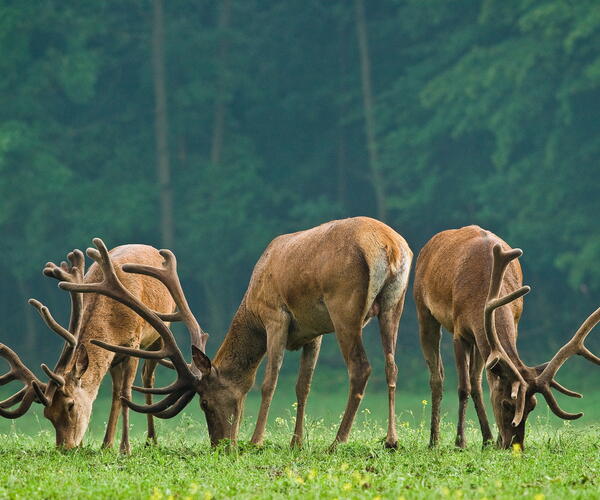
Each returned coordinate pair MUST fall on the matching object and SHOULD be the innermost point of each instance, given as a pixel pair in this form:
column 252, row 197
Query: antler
column 183, row 389
column 34, row 389
column 545, row 380
column 501, row 259
column 73, row 272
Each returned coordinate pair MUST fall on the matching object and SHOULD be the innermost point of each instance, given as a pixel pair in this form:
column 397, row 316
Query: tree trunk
column 216, row 149
column 342, row 156
column 161, row 124
column 365, row 73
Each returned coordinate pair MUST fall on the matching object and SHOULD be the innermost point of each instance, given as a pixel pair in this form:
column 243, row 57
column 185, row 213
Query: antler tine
column 34, row 388
column 112, row 287
column 17, row 397
column 168, row 276
column 26, row 402
column 177, row 404
column 163, row 404
column 52, row 324
column 553, row 404
column 501, row 259
column 175, row 409
column 73, row 273
column 175, row 386
column 567, row 392
column 545, row 380
column 572, row 347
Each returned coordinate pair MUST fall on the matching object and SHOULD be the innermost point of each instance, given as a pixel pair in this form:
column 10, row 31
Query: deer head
column 219, row 399
column 64, row 403
column 514, row 385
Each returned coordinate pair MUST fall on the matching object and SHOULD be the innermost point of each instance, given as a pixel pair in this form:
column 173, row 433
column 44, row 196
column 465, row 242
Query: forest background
column 211, row 127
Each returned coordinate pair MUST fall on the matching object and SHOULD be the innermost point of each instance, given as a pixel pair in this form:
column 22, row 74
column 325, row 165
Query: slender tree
column 161, row 124
column 216, row 149
column 369, row 112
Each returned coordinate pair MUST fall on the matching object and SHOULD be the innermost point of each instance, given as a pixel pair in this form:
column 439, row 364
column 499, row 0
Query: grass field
column 561, row 460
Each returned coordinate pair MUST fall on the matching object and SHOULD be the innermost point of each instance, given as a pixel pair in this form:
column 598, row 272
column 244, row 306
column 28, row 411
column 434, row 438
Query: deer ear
column 201, row 361
column 82, row 361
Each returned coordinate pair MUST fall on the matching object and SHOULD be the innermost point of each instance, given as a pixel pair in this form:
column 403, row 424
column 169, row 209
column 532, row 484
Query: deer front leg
column 116, row 373
column 129, row 369
column 477, row 395
column 430, row 335
column 310, row 354
column 461, row 352
column 276, row 341
column 359, row 370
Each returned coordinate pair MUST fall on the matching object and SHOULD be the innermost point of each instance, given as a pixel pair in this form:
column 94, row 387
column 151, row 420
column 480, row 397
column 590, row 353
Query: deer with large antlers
column 334, row 277
column 469, row 281
column 73, row 384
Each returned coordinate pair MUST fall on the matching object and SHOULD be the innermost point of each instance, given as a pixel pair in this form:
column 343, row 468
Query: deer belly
column 305, row 327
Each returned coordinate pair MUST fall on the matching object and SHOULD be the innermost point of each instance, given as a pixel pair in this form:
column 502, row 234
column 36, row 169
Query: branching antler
column 34, row 389
column 497, row 354
column 545, row 380
column 73, row 272
column 183, row 389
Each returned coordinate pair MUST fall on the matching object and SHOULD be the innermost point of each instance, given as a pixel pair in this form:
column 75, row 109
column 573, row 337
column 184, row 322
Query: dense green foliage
column 485, row 112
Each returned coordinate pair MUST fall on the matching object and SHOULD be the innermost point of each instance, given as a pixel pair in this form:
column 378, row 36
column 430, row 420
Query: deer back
column 453, row 274
column 300, row 270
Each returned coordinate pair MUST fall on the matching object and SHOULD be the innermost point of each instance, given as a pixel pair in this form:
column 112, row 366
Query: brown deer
column 334, row 277
column 74, row 382
column 469, row 281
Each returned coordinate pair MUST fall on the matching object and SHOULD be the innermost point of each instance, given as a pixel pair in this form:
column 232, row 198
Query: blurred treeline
column 212, row 126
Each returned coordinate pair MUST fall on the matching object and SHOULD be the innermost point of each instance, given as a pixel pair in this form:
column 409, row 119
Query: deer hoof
column 391, row 445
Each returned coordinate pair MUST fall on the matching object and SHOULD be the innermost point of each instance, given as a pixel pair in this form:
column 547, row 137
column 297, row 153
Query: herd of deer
column 332, row 278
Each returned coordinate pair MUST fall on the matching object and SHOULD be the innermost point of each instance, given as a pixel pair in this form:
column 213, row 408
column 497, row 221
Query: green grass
column 560, row 461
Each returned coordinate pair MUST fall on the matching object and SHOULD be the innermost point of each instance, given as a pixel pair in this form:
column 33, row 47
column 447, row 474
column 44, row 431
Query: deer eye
column 204, row 404
column 70, row 405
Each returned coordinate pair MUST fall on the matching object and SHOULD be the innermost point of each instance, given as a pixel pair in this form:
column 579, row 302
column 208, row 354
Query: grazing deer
column 73, row 384
column 334, row 277
column 469, row 281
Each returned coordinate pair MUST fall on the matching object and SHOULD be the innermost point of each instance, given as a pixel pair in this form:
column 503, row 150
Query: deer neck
column 242, row 350
column 100, row 359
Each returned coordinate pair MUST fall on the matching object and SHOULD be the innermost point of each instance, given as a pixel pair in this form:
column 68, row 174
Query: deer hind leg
column 310, row 354
column 462, row 352
column 477, row 395
column 389, row 320
column 116, row 373
column 276, row 342
column 430, row 335
column 129, row 369
column 348, row 332
column 359, row 370
column 148, row 369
